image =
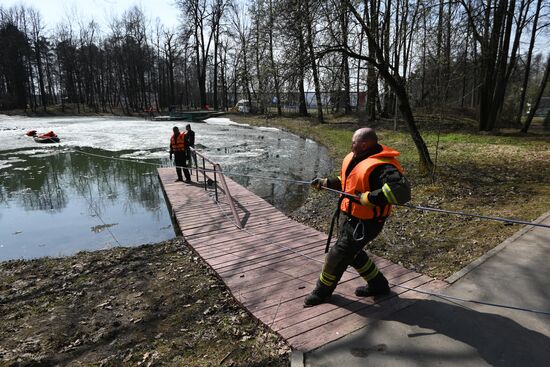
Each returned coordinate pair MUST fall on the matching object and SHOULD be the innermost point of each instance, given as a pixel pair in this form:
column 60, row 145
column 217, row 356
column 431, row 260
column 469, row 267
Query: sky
column 56, row 11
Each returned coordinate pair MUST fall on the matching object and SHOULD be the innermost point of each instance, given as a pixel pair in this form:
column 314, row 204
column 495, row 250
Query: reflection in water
column 45, row 186
column 52, row 198
column 53, row 207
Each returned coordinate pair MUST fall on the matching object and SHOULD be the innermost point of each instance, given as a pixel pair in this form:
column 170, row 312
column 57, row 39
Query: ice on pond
column 104, row 168
column 224, row 121
column 5, row 164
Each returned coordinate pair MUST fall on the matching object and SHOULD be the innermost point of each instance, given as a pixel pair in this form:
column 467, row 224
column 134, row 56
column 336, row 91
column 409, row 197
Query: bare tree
column 309, row 13
column 200, row 16
column 242, row 28
column 492, row 25
column 534, row 29
column 274, row 68
column 38, row 42
column 391, row 75
column 538, row 97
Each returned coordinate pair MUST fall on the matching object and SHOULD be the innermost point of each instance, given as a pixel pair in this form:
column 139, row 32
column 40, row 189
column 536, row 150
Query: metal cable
column 301, row 182
column 102, row 221
column 105, row 225
column 439, row 295
column 506, row 220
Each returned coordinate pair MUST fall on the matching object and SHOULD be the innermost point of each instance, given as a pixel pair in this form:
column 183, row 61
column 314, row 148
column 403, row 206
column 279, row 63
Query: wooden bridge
column 272, row 262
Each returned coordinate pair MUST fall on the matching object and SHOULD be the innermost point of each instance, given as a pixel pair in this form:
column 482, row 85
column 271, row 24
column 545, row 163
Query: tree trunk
column 246, row 73
column 260, row 96
column 222, row 72
column 314, row 70
column 424, row 46
column 345, row 61
column 358, row 80
column 398, row 86
column 302, row 106
column 372, row 76
column 50, row 81
column 272, row 60
column 528, row 62
column 201, row 77
column 540, row 93
column 385, row 45
column 30, row 83
column 215, row 76
column 495, row 67
column 38, row 56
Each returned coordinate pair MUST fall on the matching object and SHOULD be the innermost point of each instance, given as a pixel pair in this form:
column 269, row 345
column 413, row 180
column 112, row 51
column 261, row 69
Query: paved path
column 433, row 332
column 273, row 263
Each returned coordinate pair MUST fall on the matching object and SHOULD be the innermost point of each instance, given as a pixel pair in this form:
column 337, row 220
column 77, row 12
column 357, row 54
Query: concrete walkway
column 435, row 332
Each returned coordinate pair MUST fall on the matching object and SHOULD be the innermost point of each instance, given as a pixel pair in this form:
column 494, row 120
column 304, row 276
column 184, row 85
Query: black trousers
column 349, row 250
column 191, row 158
column 180, row 160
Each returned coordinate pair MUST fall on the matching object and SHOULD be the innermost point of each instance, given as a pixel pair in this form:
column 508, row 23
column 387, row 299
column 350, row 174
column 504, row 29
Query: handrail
column 217, row 169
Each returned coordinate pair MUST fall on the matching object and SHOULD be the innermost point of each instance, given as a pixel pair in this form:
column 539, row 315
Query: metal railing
column 216, row 170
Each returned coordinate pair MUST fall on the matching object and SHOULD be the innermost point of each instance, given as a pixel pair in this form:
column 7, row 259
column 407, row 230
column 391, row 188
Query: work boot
column 377, row 286
column 319, row 295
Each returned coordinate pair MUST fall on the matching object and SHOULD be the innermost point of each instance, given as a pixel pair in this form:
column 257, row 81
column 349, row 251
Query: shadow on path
column 399, row 339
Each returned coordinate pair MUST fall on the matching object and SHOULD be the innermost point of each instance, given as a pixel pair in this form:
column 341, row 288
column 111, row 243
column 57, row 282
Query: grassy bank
column 144, row 306
column 505, row 174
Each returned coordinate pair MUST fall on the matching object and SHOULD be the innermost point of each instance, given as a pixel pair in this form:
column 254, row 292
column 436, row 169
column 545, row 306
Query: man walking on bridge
column 374, row 179
column 177, row 148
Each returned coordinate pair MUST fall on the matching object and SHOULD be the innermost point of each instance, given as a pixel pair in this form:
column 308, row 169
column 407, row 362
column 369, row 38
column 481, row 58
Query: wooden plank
column 260, row 238
column 243, row 247
column 237, row 269
column 274, row 262
column 252, row 256
column 345, row 289
column 291, row 314
column 355, row 320
column 333, row 315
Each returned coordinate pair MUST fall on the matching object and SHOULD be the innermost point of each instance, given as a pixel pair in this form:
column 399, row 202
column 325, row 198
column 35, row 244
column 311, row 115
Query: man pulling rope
column 373, row 175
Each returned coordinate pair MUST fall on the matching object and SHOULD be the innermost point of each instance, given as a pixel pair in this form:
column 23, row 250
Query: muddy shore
column 142, row 306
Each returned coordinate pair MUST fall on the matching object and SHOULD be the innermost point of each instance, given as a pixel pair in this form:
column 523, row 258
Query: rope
column 301, row 182
column 105, row 225
column 439, row 295
column 506, row 220
column 434, row 294
column 91, row 204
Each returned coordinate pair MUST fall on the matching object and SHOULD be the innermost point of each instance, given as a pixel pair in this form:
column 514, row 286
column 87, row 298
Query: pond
column 98, row 187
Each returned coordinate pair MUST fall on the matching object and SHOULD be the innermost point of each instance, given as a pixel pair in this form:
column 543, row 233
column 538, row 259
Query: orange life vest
column 177, row 144
column 358, row 182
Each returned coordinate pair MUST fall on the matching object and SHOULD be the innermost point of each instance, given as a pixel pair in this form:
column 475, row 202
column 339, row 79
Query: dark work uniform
column 356, row 233
column 191, row 157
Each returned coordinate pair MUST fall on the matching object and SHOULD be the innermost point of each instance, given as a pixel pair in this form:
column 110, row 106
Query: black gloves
column 318, row 183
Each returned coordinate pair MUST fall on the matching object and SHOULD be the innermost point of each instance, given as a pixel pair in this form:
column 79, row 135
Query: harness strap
column 335, row 219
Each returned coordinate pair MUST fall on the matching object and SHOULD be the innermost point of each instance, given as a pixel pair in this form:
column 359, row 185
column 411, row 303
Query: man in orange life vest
column 372, row 173
column 177, row 148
